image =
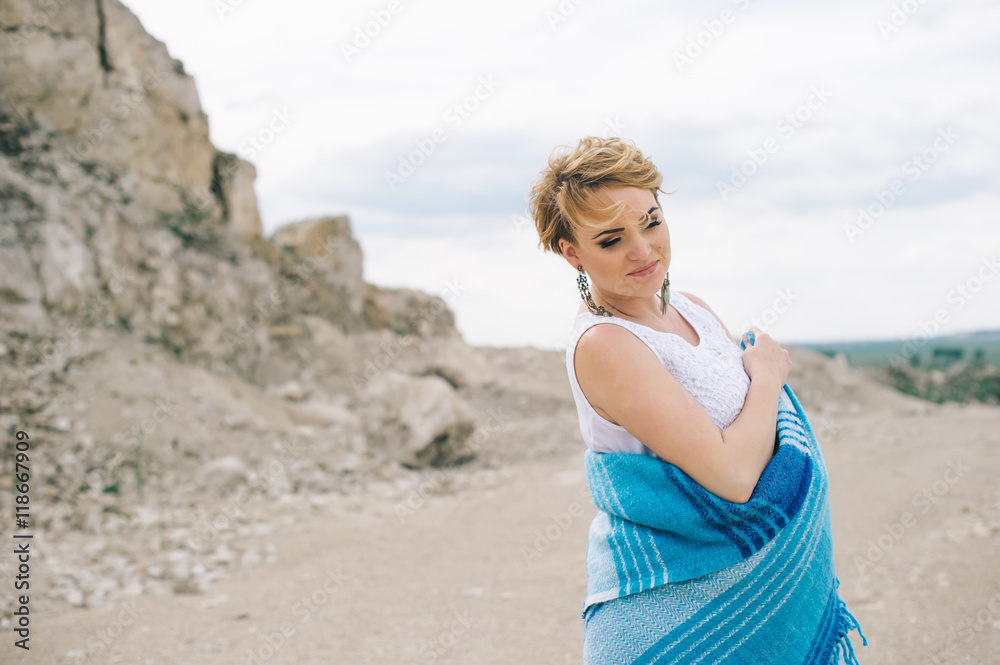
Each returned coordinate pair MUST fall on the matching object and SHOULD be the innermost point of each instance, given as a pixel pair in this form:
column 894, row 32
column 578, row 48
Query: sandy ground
column 391, row 577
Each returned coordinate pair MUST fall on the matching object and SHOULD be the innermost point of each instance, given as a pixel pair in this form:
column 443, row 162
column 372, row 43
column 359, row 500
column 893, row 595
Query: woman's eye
column 609, row 243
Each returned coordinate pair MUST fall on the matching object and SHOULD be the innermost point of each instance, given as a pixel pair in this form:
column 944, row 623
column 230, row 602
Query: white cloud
column 613, row 64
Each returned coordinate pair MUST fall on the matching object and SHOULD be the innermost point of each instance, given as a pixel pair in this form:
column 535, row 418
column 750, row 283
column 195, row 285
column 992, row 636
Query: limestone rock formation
column 88, row 72
column 175, row 362
column 329, row 250
column 119, row 213
column 418, row 421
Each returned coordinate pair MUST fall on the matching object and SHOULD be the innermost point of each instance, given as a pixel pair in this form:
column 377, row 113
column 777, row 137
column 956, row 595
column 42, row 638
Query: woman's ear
column 569, row 252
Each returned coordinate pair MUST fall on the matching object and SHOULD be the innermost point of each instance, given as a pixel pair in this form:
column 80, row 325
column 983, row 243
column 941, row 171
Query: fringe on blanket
column 843, row 647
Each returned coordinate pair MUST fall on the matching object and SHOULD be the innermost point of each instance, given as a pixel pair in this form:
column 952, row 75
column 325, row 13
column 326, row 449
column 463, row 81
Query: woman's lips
column 642, row 272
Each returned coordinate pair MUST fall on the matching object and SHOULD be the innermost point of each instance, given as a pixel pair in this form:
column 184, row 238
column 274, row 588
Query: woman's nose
column 639, row 248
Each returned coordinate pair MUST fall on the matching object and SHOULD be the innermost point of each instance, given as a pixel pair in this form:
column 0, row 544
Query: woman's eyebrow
column 648, row 213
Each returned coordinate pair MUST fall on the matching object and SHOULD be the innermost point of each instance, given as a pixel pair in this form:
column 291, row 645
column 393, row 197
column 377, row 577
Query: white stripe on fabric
column 816, row 538
column 618, row 505
column 775, row 560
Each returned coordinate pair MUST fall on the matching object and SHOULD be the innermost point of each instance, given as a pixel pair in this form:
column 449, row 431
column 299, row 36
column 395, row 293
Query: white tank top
column 712, row 372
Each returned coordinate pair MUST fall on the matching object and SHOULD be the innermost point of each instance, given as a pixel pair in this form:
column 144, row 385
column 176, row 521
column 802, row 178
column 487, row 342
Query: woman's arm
column 698, row 301
column 622, row 377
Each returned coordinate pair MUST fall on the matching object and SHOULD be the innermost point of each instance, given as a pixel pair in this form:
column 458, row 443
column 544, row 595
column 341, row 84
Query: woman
column 713, row 540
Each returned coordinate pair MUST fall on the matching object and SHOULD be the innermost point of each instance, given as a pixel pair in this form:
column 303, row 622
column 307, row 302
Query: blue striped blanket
column 735, row 583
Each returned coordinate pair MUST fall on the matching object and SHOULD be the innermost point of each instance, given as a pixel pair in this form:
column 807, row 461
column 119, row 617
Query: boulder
column 232, row 184
column 419, row 421
column 329, row 254
column 408, row 312
column 448, row 357
column 455, row 361
column 221, row 476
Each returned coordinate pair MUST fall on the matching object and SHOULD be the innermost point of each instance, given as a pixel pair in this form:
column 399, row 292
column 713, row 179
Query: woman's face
column 625, row 261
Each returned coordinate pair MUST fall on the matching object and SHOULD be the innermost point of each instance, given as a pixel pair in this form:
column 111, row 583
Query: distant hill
column 976, row 347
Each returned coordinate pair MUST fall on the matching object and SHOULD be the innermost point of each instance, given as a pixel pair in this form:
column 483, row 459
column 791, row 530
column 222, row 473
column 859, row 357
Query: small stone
column 133, row 588
column 223, row 555
column 74, row 597
column 290, row 390
column 224, row 474
column 236, row 421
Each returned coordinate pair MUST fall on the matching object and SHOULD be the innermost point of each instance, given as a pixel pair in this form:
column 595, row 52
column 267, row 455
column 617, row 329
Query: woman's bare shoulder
column 606, row 345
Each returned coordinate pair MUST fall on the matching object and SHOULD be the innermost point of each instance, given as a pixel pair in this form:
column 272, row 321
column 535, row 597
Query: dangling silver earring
column 581, row 281
column 664, row 294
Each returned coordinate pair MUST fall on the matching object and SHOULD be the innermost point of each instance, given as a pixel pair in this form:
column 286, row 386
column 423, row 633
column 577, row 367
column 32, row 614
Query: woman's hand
column 765, row 359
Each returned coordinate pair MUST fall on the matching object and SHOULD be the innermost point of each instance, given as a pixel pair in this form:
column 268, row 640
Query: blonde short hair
column 563, row 202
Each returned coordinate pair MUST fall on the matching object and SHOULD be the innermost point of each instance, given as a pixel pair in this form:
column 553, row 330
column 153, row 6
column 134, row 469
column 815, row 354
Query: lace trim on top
column 712, row 371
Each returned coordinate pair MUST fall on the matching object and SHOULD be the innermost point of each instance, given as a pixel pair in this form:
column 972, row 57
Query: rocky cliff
column 163, row 355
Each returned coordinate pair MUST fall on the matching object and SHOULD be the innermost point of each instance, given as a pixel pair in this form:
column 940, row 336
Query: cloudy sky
column 834, row 165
